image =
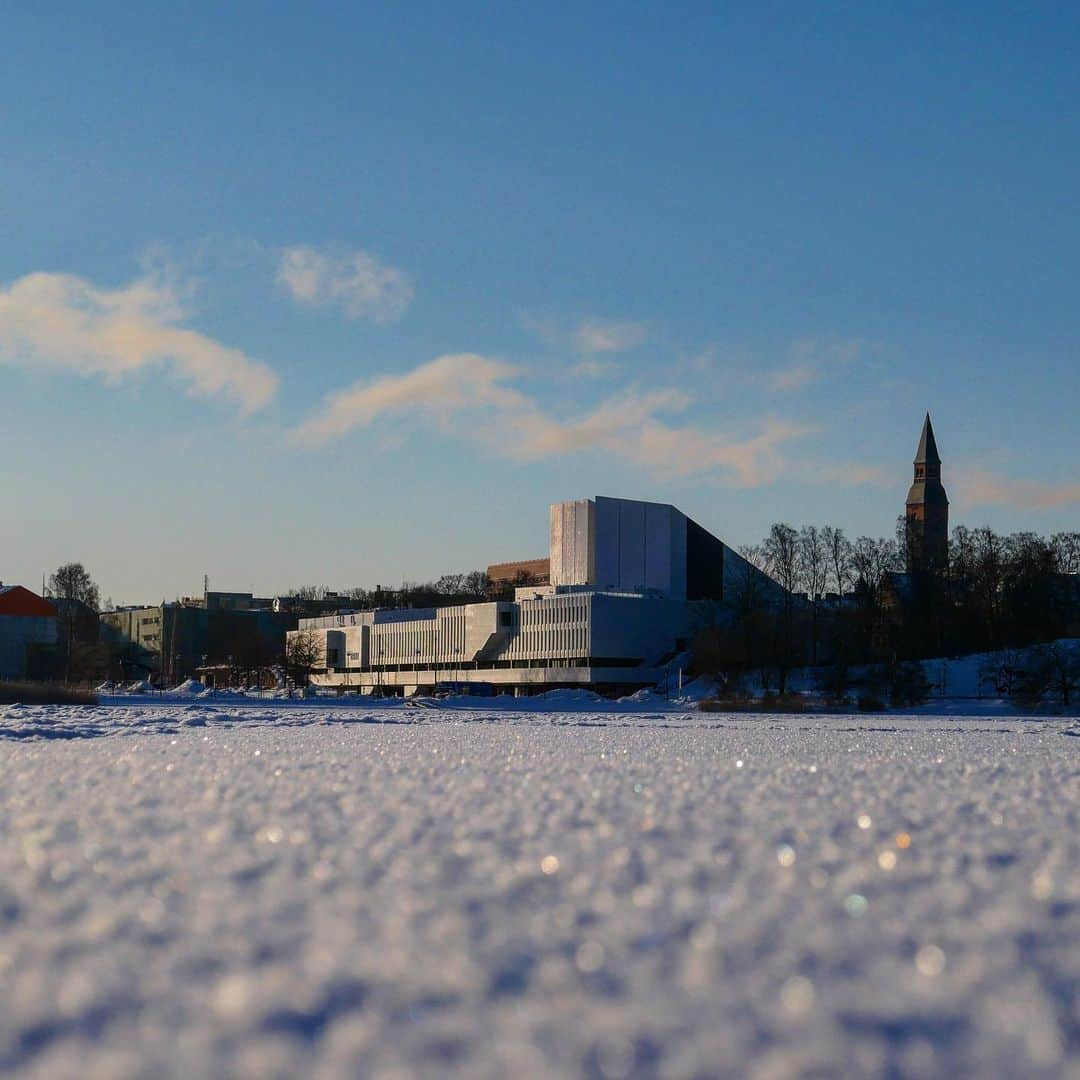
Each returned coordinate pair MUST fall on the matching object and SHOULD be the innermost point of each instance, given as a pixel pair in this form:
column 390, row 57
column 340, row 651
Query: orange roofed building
column 26, row 620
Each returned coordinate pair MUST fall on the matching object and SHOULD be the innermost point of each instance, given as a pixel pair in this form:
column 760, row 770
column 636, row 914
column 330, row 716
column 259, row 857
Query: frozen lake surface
column 202, row 889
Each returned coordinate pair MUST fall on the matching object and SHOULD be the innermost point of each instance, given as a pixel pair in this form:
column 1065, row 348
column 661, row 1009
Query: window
column 506, row 618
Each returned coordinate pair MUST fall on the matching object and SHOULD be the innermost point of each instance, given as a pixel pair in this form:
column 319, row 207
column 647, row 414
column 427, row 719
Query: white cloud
column 629, row 427
column 605, row 336
column 980, row 488
column 358, row 283
column 468, row 396
column 61, row 322
column 444, row 386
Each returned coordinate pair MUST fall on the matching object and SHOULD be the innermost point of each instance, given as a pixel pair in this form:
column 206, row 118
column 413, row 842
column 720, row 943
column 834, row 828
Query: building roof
column 16, row 600
column 927, row 454
column 508, row 571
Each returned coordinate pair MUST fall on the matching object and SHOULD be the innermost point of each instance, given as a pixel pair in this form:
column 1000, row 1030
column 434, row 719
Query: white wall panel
column 631, row 545
column 572, row 542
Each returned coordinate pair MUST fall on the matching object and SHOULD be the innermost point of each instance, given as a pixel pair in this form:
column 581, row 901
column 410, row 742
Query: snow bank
column 334, row 892
column 190, row 687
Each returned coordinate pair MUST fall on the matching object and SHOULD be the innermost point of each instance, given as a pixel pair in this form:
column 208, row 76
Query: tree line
column 444, row 591
column 848, row 602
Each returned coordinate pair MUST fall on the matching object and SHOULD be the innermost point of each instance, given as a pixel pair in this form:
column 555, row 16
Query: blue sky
column 290, row 294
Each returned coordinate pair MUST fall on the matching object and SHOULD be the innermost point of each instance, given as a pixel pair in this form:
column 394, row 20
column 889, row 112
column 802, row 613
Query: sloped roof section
column 16, row 600
column 927, row 454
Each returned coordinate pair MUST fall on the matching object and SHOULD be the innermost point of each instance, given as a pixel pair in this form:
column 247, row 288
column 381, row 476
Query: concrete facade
column 173, row 640
column 631, row 546
column 619, row 611
column 559, row 637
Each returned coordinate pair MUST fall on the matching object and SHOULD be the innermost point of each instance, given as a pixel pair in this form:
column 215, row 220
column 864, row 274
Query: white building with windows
column 629, row 582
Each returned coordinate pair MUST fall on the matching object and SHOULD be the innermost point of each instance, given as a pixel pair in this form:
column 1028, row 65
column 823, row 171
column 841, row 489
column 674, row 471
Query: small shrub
column 834, row 683
column 902, row 683
column 908, row 684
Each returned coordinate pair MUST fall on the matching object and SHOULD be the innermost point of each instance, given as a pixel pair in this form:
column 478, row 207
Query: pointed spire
column 927, row 454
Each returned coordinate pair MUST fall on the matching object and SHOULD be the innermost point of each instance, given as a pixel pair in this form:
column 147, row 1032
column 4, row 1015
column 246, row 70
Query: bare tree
column 312, row 592
column 989, row 578
column 1052, row 669
column 72, row 582
column 72, row 585
column 755, row 555
column 781, row 551
column 781, row 548
column 1003, row 670
column 813, row 558
column 1066, row 548
column 303, row 652
column 1061, row 661
column 838, row 551
column 872, row 560
column 450, row 585
column 476, row 584
column 750, row 606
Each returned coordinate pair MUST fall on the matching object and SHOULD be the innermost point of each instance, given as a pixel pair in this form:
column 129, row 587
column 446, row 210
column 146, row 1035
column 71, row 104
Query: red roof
column 15, row 600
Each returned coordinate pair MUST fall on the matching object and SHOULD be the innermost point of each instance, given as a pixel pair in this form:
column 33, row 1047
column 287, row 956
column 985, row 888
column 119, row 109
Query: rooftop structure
column 523, row 571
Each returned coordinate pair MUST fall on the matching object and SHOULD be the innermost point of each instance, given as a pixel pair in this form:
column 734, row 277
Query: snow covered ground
column 210, row 889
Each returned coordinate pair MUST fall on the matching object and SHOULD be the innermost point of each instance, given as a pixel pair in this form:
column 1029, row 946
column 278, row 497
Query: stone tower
column 927, row 509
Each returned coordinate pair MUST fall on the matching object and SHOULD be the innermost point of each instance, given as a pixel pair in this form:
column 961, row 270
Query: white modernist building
column 629, row 580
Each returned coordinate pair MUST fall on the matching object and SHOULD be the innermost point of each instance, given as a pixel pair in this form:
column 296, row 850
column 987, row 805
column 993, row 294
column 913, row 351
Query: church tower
column 927, row 509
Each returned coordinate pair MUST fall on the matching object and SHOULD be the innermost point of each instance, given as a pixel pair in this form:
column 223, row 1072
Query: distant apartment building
column 628, row 583
column 28, row 625
column 173, row 640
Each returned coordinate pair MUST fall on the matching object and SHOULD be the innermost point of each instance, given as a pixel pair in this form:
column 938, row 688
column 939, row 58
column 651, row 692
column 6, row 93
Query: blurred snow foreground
column 202, row 890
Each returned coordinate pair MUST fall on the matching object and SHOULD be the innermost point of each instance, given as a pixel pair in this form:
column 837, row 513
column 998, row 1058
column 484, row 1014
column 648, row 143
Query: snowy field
column 198, row 889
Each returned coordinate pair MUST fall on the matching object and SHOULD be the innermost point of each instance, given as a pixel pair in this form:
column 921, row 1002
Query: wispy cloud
column 630, row 427
column 61, row 322
column 594, row 367
column 357, row 283
column 830, row 349
column 849, row 475
column 812, row 358
column 590, row 336
column 979, row 488
column 469, row 396
column 793, row 378
column 606, row 336
column 445, row 386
